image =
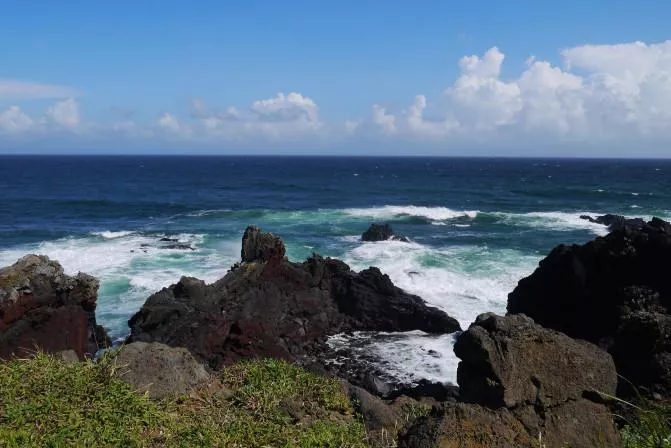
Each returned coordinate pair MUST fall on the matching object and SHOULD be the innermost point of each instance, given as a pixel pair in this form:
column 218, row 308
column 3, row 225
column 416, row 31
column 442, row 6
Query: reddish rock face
column 269, row 306
column 42, row 308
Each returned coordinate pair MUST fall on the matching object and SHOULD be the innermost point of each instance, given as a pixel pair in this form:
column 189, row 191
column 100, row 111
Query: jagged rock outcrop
column 615, row 222
column 614, row 291
column 159, row 370
column 269, row 306
column 261, row 246
column 381, row 232
column 41, row 307
column 522, row 382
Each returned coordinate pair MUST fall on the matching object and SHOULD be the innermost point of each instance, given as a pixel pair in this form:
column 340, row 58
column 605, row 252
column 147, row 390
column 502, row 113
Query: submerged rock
column 269, row 306
column 614, row 291
column 42, row 308
column 523, row 383
column 381, row 232
column 159, row 370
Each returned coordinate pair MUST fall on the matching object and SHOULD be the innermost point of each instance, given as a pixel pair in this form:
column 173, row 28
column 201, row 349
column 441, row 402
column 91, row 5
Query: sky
column 366, row 77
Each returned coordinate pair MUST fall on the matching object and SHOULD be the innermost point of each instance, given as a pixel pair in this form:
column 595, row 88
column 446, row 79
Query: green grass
column 651, row 428
column 46, row 402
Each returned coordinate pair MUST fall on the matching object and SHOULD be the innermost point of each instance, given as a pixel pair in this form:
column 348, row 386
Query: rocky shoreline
column 590, row 324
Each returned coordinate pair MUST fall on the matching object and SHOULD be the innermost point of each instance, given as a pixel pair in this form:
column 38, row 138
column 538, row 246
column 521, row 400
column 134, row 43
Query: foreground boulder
column 381, row 232
column 614, row 291
column 42, row 308
column 522, row 383
column 159, row 370
column 269, row 306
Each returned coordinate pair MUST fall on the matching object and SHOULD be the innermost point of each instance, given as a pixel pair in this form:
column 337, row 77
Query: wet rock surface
column 43, row 308
column 381, row 232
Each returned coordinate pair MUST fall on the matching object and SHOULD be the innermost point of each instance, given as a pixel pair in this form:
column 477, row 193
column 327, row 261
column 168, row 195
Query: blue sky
column 184, row 76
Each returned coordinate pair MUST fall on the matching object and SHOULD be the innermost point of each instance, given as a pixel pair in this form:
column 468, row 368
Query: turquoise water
column 476, row 225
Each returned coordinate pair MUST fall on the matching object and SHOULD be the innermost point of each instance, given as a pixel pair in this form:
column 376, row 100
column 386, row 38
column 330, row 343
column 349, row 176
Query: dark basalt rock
column 614, row 291
column 269, row 306
column 615, row 222
column 522, row 382
column 381, row 232
column 261, row 246
column 41, row 307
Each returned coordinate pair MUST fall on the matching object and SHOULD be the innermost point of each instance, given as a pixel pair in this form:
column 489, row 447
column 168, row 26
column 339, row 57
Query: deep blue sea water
column 477, row 225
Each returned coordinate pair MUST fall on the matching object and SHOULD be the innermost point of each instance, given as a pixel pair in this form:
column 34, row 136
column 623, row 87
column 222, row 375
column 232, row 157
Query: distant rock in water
column 614, row 222
column 614, row 291
column 41, row 307
column 381, row 232
column 518, row 380
column 269, row 306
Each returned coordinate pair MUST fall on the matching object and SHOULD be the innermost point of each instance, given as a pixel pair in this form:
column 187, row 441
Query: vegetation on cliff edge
column 45, row 401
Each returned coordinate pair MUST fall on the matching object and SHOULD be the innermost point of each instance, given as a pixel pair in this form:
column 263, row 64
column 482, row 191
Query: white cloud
column 282, row 117
column 15, row 90
column 171, row 124
column 599, row 96
column 605, row 94
column 64, row 114
column 14, row 121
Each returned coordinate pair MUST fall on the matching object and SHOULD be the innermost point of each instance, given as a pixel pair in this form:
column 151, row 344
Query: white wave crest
column 560, row 221
column 407, row 357
column 108, row 234
column 391, row 211
column 463, row 281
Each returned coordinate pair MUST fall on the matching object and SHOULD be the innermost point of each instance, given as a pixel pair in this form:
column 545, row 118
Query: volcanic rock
column 261, row 246
column 269, row 306
column 381, row 232
column 615, row 222
column 159, row 370
column 42, row 308
column 614, row 291
column 523, row 383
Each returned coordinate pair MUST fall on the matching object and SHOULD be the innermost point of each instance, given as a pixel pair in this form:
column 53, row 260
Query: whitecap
column 464, row 281
column 405, row 357
column 392, row 211
column 108, row 234
column 559, row 221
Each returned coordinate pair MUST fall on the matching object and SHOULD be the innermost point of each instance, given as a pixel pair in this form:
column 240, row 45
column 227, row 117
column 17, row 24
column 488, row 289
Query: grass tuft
column 651, row 428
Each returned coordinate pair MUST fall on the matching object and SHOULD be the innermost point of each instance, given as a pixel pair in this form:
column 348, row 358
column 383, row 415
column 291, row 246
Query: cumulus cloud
column 15, row 90
column 171, row 124
column 61, row 116
column 14, row 121
column 287, row 117
column 64, row 114
column 602, row 94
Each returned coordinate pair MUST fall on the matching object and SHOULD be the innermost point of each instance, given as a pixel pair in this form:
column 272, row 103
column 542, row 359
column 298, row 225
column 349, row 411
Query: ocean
column 477, row 226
